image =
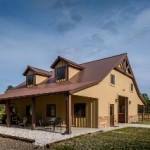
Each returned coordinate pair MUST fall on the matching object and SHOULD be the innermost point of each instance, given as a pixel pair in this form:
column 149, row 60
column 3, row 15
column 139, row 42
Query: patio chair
column 55, row 122
column 23, row 122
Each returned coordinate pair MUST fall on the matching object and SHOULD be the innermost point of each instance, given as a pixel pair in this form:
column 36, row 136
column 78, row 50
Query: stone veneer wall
column 133, row 119
column 116, row 120
column 104, row 121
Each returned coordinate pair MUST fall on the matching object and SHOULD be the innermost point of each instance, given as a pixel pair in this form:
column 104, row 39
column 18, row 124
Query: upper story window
column 29, row 80
column 131, row 87
column 112, row 79
column 60, row 73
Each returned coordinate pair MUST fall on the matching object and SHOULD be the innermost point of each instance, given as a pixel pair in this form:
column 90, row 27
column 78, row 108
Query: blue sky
column 35, row 32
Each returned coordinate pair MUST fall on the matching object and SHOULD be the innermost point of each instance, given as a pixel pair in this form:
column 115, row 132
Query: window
column 28, row 111
column 140, row 109
column 29, row 80
column 131, row 87
column 80, row 110
column 112, row 80
column 51, row 110
column 60, row 73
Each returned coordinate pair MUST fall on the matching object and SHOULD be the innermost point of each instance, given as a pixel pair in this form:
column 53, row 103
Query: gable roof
column 37, row 71
column 93, row 73
column 69, row 62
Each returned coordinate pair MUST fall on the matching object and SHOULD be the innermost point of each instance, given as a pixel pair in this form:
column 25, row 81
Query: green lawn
column 144, row 122
column 122, row 139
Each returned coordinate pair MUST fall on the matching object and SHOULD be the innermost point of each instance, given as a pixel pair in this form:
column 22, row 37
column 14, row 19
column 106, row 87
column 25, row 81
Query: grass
column 127, row 138
column 144, row 122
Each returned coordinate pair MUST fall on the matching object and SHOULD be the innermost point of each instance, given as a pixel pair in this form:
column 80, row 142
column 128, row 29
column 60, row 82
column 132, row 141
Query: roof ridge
column 70, row 62
column 38, row 68
column 104, row 58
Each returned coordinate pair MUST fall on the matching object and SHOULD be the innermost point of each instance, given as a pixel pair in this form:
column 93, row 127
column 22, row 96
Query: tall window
column 131, row 87
column 51, row 110
column 112, row 79
column 60, row 73
column 29, row 79
column 28, row 111
column 80, row 110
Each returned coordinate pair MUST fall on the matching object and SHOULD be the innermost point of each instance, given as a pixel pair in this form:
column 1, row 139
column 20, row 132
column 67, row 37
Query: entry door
column 111, row 114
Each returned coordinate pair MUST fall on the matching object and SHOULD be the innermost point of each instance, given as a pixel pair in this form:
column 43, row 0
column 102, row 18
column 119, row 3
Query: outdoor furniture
column 23, row 122
column 55, row 122
column 15, row 119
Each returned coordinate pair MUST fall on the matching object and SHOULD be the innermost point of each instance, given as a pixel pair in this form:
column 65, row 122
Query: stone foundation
column 116, row 120
column 103, row 121
column 133, row 119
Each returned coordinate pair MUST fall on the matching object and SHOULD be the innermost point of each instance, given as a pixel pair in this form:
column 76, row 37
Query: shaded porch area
column 74, row 111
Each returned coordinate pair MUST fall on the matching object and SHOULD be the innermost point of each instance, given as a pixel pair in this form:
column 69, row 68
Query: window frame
column 28, row 78
column 49, row 110
column 112, row 79
column 58, row 72
column 78, row 112
column 131, row 87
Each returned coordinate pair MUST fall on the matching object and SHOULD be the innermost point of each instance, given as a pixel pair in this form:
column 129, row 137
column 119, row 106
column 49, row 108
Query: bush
column 3, row 118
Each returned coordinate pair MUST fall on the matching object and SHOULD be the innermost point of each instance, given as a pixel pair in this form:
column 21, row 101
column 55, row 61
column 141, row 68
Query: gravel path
column 42, row 137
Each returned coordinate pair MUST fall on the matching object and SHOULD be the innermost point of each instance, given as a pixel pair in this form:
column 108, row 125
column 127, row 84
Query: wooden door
column 111, row 114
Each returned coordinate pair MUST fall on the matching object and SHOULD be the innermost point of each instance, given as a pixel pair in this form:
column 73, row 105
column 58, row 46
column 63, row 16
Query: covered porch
column 74, row 111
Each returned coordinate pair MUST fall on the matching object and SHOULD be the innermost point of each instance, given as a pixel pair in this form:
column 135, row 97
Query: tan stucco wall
column 106, row 94
column 39, row 79
column 71, row 72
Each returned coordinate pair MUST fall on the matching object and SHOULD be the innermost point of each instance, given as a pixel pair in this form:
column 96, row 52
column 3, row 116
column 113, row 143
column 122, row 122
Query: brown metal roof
column 37, row 71
column 69, row 62
column 93, row 73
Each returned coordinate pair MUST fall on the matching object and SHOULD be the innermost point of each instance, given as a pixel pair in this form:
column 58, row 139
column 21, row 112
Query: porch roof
column 44, row 90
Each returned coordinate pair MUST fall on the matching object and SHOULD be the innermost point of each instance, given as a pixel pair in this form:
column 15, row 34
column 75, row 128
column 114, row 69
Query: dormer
column 35, row 76
column 65, row 69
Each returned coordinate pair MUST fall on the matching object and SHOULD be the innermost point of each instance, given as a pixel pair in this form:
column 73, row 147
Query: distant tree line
column 147, row 100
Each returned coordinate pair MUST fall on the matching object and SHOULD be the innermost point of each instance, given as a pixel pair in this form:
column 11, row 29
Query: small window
column 51, row 110
column 29, row 80
column 140, row 109
column 80, row 110
column 60, row 73
column 112, row 79
column 28, row 111
column 131, row 87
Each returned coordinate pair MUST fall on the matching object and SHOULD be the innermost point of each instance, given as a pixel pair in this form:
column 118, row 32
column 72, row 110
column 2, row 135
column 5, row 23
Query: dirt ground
column 11, row 144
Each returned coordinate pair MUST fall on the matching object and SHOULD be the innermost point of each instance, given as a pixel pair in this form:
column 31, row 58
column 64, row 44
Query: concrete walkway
column 46, row 137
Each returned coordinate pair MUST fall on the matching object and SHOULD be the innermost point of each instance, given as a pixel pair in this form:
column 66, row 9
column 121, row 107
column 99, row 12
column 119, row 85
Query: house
column 95, row 94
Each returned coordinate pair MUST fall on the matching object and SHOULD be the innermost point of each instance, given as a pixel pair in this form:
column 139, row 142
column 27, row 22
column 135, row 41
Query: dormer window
column 30, row 80
column 60, row 73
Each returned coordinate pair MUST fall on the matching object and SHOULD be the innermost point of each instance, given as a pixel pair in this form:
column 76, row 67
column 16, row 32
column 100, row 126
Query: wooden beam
column 33, row 126
column 7, row 107
column 68, row 114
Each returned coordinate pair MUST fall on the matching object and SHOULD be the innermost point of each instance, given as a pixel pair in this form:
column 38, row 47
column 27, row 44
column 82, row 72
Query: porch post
column 33, row 126
column 68, row 114
column 7, row 107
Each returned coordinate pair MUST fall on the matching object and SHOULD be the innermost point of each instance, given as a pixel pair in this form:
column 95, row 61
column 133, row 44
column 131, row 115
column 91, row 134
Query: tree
column 9, row 87
column 147, row 100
